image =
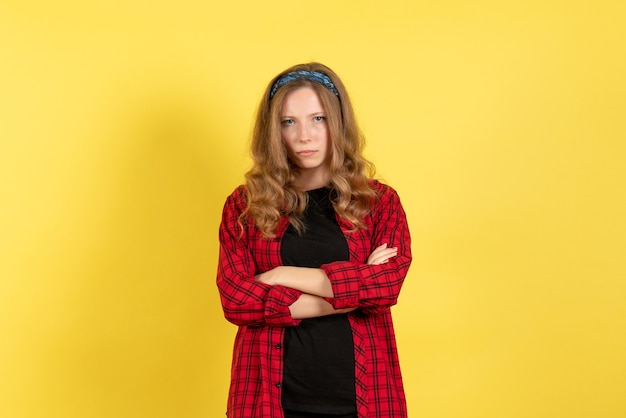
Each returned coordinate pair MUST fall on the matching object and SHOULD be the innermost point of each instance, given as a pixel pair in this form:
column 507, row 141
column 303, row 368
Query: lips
column 306, row 153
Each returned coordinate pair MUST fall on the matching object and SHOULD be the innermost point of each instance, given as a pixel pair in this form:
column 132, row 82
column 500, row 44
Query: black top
column 318, row 372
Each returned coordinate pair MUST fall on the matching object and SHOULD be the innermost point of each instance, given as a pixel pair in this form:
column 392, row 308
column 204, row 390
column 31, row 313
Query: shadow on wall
column 153, row 314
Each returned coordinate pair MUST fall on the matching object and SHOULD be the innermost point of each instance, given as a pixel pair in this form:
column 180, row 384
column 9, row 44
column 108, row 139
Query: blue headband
column 318, row 77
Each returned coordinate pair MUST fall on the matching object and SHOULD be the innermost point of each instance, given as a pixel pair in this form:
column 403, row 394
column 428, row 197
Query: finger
column 389, row 252
column 382, row 256
column 379, row 249
column 379, row 258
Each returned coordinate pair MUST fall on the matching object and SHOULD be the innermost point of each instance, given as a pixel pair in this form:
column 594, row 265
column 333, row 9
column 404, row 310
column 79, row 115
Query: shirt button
column 278, row 385
column 278, row 346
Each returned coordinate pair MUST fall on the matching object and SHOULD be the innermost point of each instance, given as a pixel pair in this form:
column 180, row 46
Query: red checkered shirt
column 262, row 311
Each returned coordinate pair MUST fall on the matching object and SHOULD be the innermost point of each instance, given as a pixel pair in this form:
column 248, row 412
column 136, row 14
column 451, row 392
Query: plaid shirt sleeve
column 244, row 300
column 374, row 287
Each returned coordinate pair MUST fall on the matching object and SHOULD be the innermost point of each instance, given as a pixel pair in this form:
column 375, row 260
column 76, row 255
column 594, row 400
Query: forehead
column 303, row 100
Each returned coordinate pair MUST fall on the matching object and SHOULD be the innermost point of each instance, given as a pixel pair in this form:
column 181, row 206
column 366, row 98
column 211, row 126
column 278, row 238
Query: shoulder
column 383, row 191
column 387, row 199
column 238, row 199
column 387, row 207
column 240, row 192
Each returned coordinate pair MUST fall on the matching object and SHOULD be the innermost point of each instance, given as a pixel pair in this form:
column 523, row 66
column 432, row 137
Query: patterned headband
column 309, row 75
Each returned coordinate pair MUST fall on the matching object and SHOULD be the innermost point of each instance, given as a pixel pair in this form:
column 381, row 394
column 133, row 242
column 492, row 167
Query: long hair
column 270, row 182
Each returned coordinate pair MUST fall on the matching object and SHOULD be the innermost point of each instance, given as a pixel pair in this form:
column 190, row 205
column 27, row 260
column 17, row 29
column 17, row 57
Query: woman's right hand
column 381, row 254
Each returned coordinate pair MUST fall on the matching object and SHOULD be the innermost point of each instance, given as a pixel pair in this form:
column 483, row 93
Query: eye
column 319, row 118
column 287, row 122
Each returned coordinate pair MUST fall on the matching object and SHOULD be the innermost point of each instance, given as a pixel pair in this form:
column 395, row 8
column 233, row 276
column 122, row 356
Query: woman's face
column 305, row 133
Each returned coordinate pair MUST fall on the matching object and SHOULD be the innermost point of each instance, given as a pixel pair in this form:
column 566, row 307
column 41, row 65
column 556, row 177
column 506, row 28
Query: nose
column 305, row 132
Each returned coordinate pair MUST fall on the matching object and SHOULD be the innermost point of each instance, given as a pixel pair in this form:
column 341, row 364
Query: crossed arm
column 274, row 298
column 315, row 285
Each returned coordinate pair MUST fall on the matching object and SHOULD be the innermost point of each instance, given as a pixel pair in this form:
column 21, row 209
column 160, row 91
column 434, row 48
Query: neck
column 312, row 180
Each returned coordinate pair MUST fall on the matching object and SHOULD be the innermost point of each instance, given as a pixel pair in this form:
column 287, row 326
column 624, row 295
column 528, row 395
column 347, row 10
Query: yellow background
column 125, row 124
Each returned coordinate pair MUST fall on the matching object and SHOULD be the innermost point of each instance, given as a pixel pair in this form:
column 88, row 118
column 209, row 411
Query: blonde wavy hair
column 270, row 182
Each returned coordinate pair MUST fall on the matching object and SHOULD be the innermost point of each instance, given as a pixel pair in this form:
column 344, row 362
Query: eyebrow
column 321, row 113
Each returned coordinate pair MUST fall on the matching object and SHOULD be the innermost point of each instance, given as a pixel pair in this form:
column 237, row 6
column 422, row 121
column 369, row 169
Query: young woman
column 313, row 253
